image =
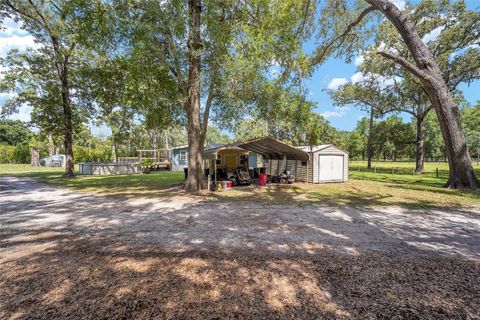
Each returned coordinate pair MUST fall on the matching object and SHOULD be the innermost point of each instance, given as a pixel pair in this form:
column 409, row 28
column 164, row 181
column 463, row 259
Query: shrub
column 6, row 153
column 21, row 153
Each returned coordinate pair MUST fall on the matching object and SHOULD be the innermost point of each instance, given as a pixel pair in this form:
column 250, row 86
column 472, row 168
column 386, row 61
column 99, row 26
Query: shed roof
column 322, row 147
column 268, row 147
column 314, row 148
column 179, row 147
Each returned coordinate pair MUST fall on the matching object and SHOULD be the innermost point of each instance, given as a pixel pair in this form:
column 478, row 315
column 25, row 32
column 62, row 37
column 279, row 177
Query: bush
column 6, row 153
column 21, row 153
column 85, row 154
column 15, row 154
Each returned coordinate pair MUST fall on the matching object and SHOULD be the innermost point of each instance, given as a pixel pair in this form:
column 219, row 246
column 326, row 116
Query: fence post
column 375, row 170
column 393, row 170
column 437, row 172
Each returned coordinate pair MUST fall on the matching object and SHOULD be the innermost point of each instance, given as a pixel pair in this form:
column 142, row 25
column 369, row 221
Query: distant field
column 374, row 188
column 358, row 170
column 379, row 186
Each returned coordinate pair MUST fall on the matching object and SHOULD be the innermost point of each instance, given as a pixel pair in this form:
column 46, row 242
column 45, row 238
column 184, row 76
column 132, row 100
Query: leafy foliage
column 13, row 132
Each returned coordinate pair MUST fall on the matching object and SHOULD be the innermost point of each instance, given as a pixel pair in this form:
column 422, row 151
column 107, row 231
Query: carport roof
column 268, row 147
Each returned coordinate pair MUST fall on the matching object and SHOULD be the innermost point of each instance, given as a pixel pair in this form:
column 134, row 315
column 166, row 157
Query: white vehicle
column 57, row 160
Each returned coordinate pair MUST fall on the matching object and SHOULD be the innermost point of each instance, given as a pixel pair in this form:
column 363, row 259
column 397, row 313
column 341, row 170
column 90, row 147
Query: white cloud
column 6, row 95
column 16, row 42
column 401, row 4
column 23, row 114
column 338, row 112
column 357, row 77
column 13, row 37
column 331, row 114
column 433, row 35
column 335, row 83
column 359, row 60
column 10, row 27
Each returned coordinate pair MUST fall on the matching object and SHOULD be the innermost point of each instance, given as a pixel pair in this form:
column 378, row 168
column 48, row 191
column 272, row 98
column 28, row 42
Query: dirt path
column 66, row 254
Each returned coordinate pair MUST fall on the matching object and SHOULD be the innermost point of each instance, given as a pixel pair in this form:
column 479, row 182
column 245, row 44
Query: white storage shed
column 326, row 163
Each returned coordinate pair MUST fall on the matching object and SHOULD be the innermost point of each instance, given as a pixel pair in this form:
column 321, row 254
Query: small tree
column 59, row 27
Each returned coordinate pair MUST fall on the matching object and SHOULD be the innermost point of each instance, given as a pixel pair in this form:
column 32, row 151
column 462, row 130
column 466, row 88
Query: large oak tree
column 342, row 31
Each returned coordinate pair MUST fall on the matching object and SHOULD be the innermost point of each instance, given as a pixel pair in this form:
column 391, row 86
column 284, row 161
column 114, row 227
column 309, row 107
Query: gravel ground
column 66, row 254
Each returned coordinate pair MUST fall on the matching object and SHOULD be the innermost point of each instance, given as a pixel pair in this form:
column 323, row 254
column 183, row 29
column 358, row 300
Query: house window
column 183, row 155
column 243, row 159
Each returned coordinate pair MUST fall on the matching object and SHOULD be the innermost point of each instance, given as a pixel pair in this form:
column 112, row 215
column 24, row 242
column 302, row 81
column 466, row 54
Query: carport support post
column 215, row 166
column 296, row 163
column 308, row 165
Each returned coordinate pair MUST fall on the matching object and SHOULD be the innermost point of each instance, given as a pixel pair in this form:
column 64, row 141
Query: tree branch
column 320, row 55
column 18, row 11
column 405, row 64
column 208, row 104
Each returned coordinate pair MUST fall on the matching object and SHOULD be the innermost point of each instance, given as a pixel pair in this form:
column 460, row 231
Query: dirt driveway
column 66, row 254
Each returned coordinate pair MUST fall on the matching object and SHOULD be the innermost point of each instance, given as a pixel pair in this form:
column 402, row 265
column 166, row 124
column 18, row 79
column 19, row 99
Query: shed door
column 330, row 167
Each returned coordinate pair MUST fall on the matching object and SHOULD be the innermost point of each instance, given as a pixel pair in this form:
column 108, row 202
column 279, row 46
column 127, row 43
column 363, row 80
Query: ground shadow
column 65, row 254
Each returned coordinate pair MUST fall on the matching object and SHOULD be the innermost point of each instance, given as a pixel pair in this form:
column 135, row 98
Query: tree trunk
column 196, row 180
column 114, row 149
column 51, row 145
column 420, row 144
column 370, row 142
column 34, row 157
column 426, row 69
column 154, row 140
column 68, row 123
column 166, row 140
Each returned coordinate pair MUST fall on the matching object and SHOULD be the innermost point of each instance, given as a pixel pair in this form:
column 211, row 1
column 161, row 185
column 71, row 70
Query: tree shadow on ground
column 100, row 280
column 305, row 195
column 83, row 256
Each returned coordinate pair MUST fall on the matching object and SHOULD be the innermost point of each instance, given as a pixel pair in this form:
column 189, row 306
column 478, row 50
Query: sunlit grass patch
column 369, row 188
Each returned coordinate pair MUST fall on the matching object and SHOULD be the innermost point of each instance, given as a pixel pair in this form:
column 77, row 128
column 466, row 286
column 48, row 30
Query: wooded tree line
column 394, row 139
column 382, row 88
column 239, row 65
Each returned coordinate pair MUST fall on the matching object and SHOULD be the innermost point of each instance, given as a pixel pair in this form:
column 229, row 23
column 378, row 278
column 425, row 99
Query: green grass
column 27, row 170
column 373, row 188
column 367, row 188
column 153, row 184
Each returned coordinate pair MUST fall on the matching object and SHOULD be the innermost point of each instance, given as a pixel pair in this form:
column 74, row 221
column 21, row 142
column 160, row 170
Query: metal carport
column 269, row 148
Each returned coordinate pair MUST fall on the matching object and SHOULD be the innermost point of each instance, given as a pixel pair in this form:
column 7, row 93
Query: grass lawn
column 370, row 188
column 158, row 183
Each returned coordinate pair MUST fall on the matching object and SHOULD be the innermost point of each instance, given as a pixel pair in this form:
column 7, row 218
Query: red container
column 229, row 184
column 262, row 179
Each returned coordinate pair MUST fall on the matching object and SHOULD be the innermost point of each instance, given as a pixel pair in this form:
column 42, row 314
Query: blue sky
column 330, row 74
column 336, row 71
column 345, row 118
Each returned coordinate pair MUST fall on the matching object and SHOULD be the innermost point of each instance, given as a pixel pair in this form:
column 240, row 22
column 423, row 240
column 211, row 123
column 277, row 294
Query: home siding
column 177, row 164
column 255, row 160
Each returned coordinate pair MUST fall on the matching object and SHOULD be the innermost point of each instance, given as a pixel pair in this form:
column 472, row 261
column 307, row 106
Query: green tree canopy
column 13, row 132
